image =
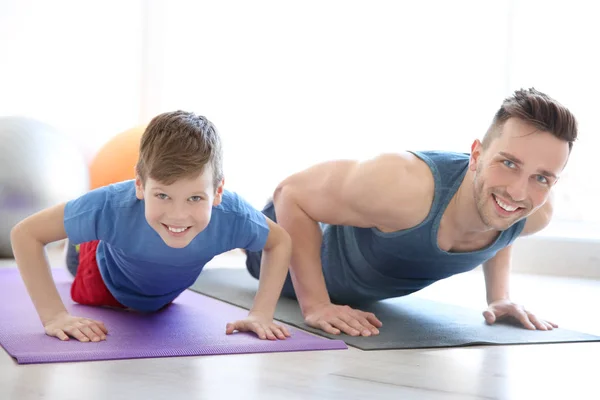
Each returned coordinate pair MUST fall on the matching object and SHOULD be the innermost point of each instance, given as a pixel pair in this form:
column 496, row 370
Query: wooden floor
column 561, row 371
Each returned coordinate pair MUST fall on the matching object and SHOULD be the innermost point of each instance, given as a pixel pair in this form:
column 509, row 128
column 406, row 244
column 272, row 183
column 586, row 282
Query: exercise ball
column 116, row 159
column 39, row 168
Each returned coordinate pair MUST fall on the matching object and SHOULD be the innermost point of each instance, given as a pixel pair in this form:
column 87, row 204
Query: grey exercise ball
column 39, row 168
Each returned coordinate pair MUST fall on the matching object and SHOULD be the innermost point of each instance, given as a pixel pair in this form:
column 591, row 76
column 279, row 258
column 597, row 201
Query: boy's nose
column 177, row 213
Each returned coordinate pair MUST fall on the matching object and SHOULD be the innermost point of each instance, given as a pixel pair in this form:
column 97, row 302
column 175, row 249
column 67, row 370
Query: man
column 392, row 225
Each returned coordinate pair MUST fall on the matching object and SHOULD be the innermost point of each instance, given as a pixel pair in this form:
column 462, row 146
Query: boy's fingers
column 77, row 334
column 61, row 335
column 100, row 325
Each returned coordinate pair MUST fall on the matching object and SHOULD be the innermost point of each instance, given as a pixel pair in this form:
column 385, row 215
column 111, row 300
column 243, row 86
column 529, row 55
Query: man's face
column 514, row 175
column 180, row 211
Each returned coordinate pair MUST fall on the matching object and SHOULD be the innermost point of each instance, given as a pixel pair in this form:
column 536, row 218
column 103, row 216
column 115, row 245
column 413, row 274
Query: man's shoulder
column 403, row 191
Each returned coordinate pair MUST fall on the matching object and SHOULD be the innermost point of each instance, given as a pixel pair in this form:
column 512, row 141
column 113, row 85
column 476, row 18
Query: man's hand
column 505, row 308
column 335, row 319
column 64, row 325
column 264, row 327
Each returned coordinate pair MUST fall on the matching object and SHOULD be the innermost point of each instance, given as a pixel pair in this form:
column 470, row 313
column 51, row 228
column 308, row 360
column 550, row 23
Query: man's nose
column 517, row 190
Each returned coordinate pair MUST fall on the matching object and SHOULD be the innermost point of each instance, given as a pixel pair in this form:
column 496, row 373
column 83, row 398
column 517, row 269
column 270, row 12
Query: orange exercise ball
column 115, row 162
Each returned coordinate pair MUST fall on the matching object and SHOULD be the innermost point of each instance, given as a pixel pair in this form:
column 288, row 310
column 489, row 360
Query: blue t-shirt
column 138, row 268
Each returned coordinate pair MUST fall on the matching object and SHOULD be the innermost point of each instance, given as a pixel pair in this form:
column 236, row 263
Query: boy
column 144, row 241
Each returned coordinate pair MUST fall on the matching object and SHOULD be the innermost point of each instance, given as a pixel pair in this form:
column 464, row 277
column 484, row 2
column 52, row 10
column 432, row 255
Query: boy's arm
column 497, row 278
column 390, row 192
column 273, row 271
column 28, row 240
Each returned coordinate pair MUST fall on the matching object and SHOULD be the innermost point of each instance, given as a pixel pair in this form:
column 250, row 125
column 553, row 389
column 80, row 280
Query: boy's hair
column 537, row 109
column 178, row 145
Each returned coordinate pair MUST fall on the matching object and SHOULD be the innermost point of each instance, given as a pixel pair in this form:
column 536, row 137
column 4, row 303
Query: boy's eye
column 162, row 196
column 195, row 199
column 509, row 163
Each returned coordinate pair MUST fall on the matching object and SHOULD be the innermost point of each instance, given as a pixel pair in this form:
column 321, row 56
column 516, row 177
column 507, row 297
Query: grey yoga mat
column 408, row 322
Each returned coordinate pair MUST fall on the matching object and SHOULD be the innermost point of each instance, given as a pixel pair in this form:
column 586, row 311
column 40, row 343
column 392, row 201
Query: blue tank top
column 366, row 264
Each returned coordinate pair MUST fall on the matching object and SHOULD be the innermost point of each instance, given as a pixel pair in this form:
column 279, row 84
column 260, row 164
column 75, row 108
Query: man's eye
column 542, row 179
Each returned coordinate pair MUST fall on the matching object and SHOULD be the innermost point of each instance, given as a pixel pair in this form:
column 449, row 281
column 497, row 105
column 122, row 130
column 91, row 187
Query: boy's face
column 178, row 212
column 515, row 174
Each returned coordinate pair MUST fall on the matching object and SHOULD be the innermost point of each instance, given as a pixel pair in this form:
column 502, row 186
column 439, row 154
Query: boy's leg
column 89, row 288
column 253, row 258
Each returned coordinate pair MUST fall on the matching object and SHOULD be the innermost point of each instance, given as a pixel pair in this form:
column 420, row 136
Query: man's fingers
column 362, row 327
column 536, row 322
column 327, row 327
column 490, row 316
column 363, row 319
column 523, row 318
column 342, row 325
column 541, row 324
column 373, row 320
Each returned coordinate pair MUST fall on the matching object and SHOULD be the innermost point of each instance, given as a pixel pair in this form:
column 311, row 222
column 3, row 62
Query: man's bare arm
column 497, row 278
column 388, row 192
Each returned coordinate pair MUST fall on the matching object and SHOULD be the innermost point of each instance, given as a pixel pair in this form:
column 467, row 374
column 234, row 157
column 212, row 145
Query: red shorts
column 88, row 287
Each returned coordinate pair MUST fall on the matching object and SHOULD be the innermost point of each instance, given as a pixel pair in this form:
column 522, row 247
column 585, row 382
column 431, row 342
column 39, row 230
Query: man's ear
column 139, row 187
column 476, row 152
column 219, row 193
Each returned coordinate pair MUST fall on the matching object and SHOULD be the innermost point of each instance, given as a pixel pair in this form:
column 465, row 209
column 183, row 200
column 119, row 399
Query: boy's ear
column 476, row 151
column 219, row 193
column 139, row 187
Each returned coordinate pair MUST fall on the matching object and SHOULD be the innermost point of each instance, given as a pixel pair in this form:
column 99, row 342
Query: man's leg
column 72, row 257
column 253, row 258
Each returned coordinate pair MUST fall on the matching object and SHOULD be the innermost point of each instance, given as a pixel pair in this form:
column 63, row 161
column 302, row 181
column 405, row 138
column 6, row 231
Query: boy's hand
column 64, row 325
column 264, row 327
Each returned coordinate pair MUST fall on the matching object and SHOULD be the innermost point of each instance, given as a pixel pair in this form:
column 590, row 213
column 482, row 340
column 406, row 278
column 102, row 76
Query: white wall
column 292, row 83
column 554, row 48
column 73, row 64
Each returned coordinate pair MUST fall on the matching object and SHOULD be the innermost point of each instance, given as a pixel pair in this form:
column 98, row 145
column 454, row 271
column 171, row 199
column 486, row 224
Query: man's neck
column 461, row 215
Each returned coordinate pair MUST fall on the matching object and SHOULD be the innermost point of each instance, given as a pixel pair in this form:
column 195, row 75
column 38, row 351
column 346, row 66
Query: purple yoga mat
column 193, row 325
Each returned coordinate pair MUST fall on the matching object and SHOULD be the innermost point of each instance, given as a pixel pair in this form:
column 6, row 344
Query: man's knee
column 253, row 263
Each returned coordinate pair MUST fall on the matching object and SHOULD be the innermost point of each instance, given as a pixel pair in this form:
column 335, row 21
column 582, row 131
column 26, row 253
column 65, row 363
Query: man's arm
column 389, row 192
column 497, row 277
column 496, row 272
